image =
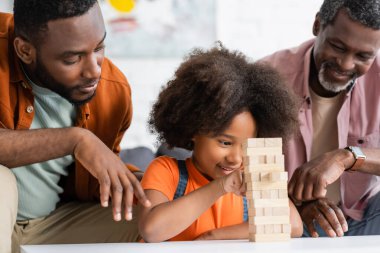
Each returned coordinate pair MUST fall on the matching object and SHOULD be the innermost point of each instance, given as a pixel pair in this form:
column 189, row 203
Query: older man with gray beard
column 334, row 161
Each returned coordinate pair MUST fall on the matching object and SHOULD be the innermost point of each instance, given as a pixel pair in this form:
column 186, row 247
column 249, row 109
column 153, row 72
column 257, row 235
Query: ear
column 317, row 24
column 24, row 50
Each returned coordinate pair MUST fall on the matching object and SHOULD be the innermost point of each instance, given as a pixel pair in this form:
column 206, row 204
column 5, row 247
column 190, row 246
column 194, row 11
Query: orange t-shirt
column 163, row 175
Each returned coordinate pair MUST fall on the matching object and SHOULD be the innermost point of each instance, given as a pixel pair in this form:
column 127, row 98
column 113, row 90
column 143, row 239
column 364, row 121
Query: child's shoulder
column 163, row 164
column 162, row 174
column 164, row 160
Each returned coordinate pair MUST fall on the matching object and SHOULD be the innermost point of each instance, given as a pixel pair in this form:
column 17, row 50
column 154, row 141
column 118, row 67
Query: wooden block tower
column 267, row 194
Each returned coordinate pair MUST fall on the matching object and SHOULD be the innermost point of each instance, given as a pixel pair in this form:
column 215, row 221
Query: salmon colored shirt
column 163, row 175
column 108, row 115
column 358, row 123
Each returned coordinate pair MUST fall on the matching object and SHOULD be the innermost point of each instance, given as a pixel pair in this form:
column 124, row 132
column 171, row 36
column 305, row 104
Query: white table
column 361, row 244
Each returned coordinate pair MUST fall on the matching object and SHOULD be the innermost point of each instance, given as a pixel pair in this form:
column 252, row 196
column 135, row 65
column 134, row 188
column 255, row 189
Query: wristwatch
column 358, row 155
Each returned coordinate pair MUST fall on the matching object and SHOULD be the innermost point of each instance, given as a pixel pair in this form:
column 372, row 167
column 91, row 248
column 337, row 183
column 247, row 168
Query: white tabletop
column 365, row 244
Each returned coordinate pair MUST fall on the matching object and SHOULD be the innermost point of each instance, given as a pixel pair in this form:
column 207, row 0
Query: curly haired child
column 215, row 101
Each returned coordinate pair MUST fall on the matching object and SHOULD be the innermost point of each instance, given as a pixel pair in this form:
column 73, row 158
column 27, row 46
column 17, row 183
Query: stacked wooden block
column 267, row 194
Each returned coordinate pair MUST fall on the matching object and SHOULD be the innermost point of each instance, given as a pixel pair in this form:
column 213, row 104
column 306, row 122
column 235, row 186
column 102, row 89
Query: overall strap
column 183, row 177
column 245, row 212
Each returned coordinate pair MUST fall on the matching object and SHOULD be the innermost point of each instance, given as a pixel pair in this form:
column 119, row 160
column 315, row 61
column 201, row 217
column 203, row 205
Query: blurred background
column 147, row 40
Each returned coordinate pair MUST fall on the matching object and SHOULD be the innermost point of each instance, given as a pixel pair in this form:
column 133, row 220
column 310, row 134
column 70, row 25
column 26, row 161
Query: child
column 215, row 102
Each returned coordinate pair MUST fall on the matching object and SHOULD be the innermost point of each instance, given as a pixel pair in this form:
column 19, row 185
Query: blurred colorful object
column 122, row 5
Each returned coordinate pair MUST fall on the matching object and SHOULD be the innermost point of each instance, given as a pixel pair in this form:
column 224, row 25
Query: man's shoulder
column 113, row 85
column 112, row 74
column 6, row 24
column 290, row 60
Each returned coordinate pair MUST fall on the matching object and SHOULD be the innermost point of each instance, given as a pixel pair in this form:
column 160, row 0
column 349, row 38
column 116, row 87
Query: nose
column 92, row 66
column 346, row 62
column 235, row 156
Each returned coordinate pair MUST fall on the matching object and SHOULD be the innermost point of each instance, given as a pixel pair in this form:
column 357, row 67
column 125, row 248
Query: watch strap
column 359, row 157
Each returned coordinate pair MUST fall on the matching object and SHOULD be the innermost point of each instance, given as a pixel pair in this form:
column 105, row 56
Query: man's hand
column 114, row 177
column 326, row 214
column 139, row 175
column 309, row 181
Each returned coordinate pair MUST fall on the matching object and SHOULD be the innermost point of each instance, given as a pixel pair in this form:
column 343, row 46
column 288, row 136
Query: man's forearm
column 372, row 162
column 22, row 147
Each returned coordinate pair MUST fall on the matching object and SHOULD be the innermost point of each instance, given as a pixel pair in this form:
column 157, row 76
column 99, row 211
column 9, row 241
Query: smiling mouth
column 336, row 73
column 88, row 88
column 342, row 74
column 91, row 84
column 226, row 168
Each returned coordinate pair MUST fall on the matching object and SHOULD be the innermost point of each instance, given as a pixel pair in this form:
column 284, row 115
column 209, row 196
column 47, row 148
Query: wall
column 254, row 27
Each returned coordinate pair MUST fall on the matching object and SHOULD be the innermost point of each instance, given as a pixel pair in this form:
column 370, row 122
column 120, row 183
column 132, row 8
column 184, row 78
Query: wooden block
column 282, row 193
column 266, row 185
column 268, row 229
column 251, row 177
column 257, row 229
column 263, row 167
column 268, row 237
column 278, row 176
column 257, row 203
column 265, row 220
column 279, row 211
column 270, row 158
column 253, row 194
column 277, row 228
column 286, row 228
column 269, row 194
column 265, row 176
column 254, row 143
column 262, row 151
column 273, row 142
column 256, row 159
column 279, row 159
column 255, row 212
column 268, row 211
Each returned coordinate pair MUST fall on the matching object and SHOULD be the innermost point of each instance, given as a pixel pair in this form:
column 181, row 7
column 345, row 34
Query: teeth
column 343, row 73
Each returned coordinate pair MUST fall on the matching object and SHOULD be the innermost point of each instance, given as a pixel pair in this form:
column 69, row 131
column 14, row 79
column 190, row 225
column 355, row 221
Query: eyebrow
column 227, row 135
column 70, row 53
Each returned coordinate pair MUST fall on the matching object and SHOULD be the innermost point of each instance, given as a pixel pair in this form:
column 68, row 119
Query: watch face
column 359, row 158
column 358, row 153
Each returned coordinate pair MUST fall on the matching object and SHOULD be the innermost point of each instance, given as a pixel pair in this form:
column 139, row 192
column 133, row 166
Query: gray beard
column 329, row 86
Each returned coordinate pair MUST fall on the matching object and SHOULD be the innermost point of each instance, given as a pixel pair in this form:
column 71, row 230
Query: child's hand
column 234, row 183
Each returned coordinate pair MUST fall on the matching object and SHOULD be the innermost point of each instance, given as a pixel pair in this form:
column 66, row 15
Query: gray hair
column 367, row 12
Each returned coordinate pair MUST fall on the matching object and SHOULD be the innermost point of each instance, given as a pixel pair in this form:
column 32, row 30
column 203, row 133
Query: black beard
column 44, row 79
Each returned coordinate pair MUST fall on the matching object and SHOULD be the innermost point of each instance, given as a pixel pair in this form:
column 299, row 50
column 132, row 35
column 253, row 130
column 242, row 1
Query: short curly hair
column 31, row 16
column 211, row 87
column 367, row 12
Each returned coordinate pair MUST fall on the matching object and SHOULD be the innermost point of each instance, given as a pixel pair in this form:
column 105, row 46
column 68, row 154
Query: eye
column 365, row 57
column 225, row 143
column 100, row 48
column 71, row 60
column 337, row 48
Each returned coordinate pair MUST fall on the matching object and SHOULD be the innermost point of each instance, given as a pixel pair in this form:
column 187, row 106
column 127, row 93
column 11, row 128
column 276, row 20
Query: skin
column 218, row 158
column 69, row 62
column 70, row 57
column 327, row 214
column 348, row 49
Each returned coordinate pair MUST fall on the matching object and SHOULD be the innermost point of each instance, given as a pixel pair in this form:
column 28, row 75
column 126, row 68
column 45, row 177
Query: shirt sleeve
column 162, row 175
